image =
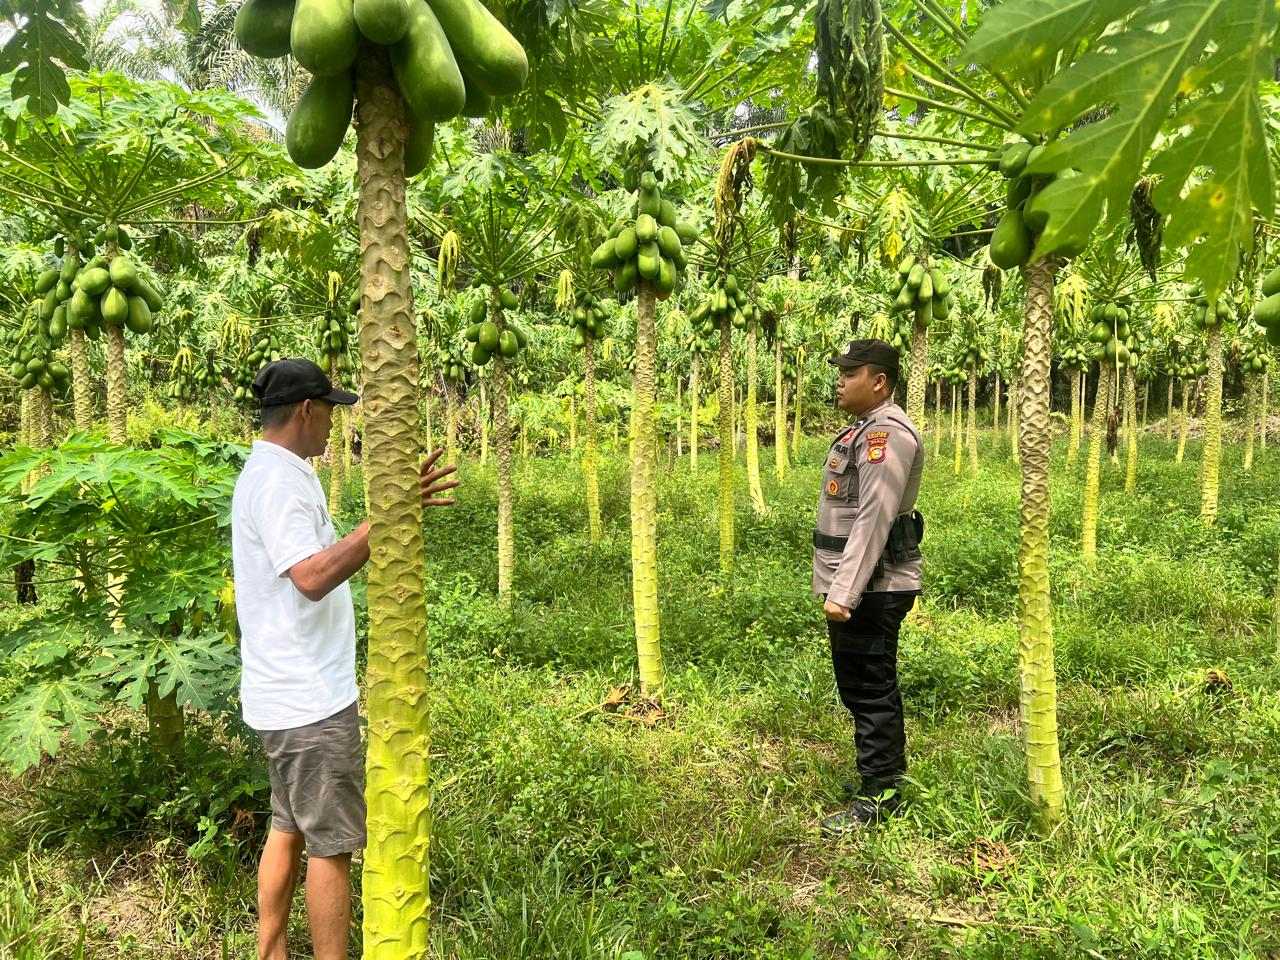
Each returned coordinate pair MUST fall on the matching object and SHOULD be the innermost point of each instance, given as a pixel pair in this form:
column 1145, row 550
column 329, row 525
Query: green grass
column 563, row 829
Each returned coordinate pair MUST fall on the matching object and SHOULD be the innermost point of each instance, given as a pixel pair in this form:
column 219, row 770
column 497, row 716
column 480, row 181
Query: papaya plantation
column 655, row 318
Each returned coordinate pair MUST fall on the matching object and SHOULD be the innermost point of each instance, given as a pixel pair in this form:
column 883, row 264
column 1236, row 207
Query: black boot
column 878, row 800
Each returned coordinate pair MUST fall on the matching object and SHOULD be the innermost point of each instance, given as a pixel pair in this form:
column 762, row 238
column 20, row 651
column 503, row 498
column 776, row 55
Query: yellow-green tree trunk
column 335, row 463
column 917, row 374
column 1212, row 457
column 117, row 387
column 1038, row 695
column 779, row 412
column 1168, row 413
column 396, row 896
column 81, row 384
column 957, row 426
column 591, row 457
column 502, row 453
column 1015, row 401
column 995, row 410
column 573, row 424
column 693, row 413
column 1262, row 414
column 450, row 423
column 937, row 417
column 726, row 445
column 752, row 425
column 971, row 435
column 1131, row 432
column 1073, row 443
column 1093, row 468
column 484, row 425
column 644, row 495
column 1250, row 419
column 795, row 431
column 1184, row 425
column 428, row 417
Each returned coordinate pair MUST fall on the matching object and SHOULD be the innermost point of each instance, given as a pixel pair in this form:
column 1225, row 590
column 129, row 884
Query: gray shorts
column 317, row 782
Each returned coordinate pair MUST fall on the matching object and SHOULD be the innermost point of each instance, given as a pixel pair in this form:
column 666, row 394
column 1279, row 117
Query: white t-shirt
column 298, row 655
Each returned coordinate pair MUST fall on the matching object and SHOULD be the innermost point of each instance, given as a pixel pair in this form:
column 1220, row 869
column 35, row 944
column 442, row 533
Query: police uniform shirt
column 872, row 476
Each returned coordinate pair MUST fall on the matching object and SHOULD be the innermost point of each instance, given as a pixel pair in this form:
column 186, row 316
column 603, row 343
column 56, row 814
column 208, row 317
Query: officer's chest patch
column 877, row 446
column 833, row 487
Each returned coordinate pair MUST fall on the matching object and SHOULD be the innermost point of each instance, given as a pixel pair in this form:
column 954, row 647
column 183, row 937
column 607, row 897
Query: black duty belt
column 902, row 546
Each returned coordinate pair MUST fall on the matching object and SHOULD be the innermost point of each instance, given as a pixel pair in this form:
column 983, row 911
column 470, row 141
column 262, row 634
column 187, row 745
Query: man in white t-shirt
column 298, row 681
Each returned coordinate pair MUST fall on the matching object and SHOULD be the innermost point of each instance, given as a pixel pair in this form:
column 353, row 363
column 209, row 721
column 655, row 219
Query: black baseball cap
column 294, row 379
column 860, row 352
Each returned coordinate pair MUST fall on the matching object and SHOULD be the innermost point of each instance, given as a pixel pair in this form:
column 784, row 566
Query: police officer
column 866, row 566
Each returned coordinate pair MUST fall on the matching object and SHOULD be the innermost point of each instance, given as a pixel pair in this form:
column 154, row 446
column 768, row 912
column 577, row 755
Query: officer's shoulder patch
column 877, row 435
column 877, row 445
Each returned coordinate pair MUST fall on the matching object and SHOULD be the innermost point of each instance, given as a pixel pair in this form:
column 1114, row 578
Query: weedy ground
column 572, row 820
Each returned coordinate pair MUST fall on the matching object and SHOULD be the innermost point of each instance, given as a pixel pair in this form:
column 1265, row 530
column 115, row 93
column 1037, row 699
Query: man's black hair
column 278, row 416
column 890, row 375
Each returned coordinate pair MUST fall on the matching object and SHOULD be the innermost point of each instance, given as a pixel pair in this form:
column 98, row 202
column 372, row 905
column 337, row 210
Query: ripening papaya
column 382, row 21
column 626, row 243
column 426, row 69
column 324, row 37
column 1010, row 241
column 485, row 49
column 417, row 148
column 646, row 228
column 122, row 272
column 508, row 299
column 319, row 120
column 1270, row 283
column 648, row 260
column 115, row 307
column 508, row 344
column 262, row 27
column 1013, row 158
column 138, row 319
column 477, row 102
column 489, row 336
column 1267, row 312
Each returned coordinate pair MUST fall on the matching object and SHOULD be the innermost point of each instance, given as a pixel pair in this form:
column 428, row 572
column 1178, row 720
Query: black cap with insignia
column 294, row 379
column 860, row 352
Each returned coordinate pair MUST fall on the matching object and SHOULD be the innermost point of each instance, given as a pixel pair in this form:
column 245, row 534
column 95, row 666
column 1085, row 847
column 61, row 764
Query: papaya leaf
column 201, row 668
column 1024, row 34
column 37, row 720
column 41, row 50
column 1139, row 71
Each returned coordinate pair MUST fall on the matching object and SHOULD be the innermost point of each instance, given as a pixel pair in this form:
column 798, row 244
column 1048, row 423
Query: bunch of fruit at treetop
column 727, row 300
column 894, row 329
column 449, row 57
column 1074, row 357
column 1114, row 338
column 973, row 354
column 923, row 289
column 1267, row 311
column 334, row 334
column 101, row 292
column 453, row 362
column 649, row 246
column 31, row 360
column 1024, row 218
column 189, row 375
column 264, row 350
column 1253, row 357
column 486, row 336
column 1206, row 316
column 587, row 317
column 955, row 373
column 1181, row 363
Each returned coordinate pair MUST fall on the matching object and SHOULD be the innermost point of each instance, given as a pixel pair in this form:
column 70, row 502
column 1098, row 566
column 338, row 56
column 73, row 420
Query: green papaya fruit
column 941, row 287
column 478, row 103
column 686, row 231
column 1013, row 158
column 485, row 49
column 479, row 355
column 906, row 297
column 1101, row 332
column 916, row 276
column 138, row 319
column 624, row 278
column 417, row 149
column 522, row 338
column 323, row 36
column 604, row 257
column 925, row 290
column 95, row 281
column 650, row 203
column 1267, row 312
column 489, row 336
column 115, row 307
column 62, row 290
column 1270, row 283
column 122, row 272
column 319, row 120
column 426, row 69
column 1017, row 191
column 1010, row 241
column 649, row 181
column 666, row 279
column 508, row 344
column 69, row 270
column 648, row 260
column 941, row 308
column 508, row 299
column 646, row 228
column 667, row 214
column 924, row 314
column 262, row 27
column 669, row 242
column 58, row 323
column 382, row 21
column 46, row 281
column 626, row 244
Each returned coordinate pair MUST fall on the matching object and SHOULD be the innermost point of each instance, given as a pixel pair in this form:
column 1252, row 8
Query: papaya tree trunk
column 726, row 445
column 693, row 412
column 335, row 463
column 937, row 417
column 1262, row 414
column 779, row 412
column 1211, row 459
column 918, row 373
column 1038, row 694
column 1015, row 400
column 752, row 425
column 795, row 431
column 995, row 410
column 972, row 433
column 428, row 417
column 591, row 458
column 678, row 434
column 502, row 452
column 957, row 426
column 1093, row 468
column 396, row 896
column 1073, row 442
column 573, row 424
column 165, row 722
column 484, row 425
column 1250, row 416
column 81, row 384
column 1184, row 425
column 117, row 387
column 644, row 496
column 1146, row 402
column 1131, row 433
column 24, row 574
column 1168, row 413
column 450, row 423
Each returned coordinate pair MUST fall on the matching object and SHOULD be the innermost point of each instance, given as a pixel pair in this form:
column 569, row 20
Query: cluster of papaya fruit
column 449, row 57
column 1206, row 316
column 650, row 246
column 453, row 363
column 1074, row 357
column 189, row 376
column 1113, row 337
column 334, row 333
column 30, row 350
column 488, row 338
column 264, row 350
column 102, row 292
column 85, row 239
column 727, row 300
column 588, row 317
column 925, row 289
column 1267, row 312
column 973, row 354
column 954, row 373
column 1253, row 359
column 1182, row 364
column 1023, row 218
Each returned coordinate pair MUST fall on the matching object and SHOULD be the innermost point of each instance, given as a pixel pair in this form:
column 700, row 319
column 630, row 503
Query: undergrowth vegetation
column 570, row 821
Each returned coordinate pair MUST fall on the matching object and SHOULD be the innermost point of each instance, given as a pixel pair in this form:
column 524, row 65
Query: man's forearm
column 317, row 575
